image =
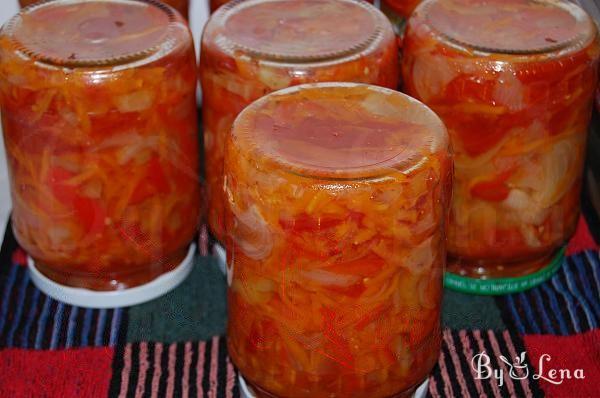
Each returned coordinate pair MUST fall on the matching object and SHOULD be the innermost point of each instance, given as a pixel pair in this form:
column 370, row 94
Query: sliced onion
column 252, row 233
column 327, row 278
column 431, row 75
column 135, row 102
column 508, row 91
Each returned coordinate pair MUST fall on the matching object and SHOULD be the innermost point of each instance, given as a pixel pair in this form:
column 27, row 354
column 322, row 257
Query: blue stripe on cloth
column 569, row 299
column 556, row 309
column 20, row 305
column 115, row 326
column 583, row 273
column 593, row 258
column 72, row 323
column 100, row 328
column 58, row 316
column 87, row 324
column 41, row 326
column 12, row 276
column 542, row 310
column 30, row 318
column 529, row 313
column 516, row 317
column 587, row 309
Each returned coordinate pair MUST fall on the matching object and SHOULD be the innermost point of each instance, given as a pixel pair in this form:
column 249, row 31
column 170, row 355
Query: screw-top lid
column 299, row 30
column 511, row 26
column 339, row 130
column 92, row 32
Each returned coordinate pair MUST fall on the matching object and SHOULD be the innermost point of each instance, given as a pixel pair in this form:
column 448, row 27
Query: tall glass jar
column 253, row 47
column 513, row 81
column 99, row 121
column 337, row 199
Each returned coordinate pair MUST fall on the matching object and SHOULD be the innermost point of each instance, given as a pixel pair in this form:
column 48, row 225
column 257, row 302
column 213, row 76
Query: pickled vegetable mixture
column 337, row 198
column 251, row 49
column 513, row 81
column 102, row 152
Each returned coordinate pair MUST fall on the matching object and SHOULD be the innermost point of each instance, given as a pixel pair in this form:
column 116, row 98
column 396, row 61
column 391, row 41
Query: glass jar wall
column 99, row 120
column 513, row 81
column 337, row 197
column 250, row 48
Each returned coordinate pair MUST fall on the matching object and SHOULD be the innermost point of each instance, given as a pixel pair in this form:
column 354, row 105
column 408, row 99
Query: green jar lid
column 499, row 286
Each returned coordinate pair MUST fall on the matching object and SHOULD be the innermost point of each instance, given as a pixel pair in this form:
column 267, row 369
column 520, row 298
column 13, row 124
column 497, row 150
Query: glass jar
column 337, row 198
column 250, row 48
column 99, row 120
column 514, row 82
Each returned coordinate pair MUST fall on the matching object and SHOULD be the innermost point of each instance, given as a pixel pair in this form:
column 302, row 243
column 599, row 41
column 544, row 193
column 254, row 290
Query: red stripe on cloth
column 513, row 354
column 214, row 368
column 433, row 391
column 126, row 371
column 456, row 362
column 171, row 367
column 445, row 376
column 468, row 353
column 497, row 353
column 230, row 379
column 582, row 240
column 580, row 351
column 144, row 365
column 84, row 372
column 479, row 339
column 187, row 361
column 158, row 349
column 19, row 257
column 200, row 369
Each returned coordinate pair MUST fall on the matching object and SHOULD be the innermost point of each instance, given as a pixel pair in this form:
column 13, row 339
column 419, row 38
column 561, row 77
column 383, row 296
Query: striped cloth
column 174, row 346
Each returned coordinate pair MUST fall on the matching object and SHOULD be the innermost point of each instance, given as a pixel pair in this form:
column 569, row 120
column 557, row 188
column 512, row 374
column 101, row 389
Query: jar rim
column 274, row 52
column 584, row 32
column 163, row 43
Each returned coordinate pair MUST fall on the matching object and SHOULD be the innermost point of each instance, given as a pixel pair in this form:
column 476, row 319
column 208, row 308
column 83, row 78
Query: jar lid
column 511, row 26
column 340, row 131
column 299, row 30
column 93, row 32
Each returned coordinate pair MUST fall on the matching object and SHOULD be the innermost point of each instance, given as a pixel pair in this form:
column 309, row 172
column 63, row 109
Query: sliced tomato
column 367, row 266
column 57, row 178
column 89, row 212
column 154, row 183
column 494, row 190
column 353, row 291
